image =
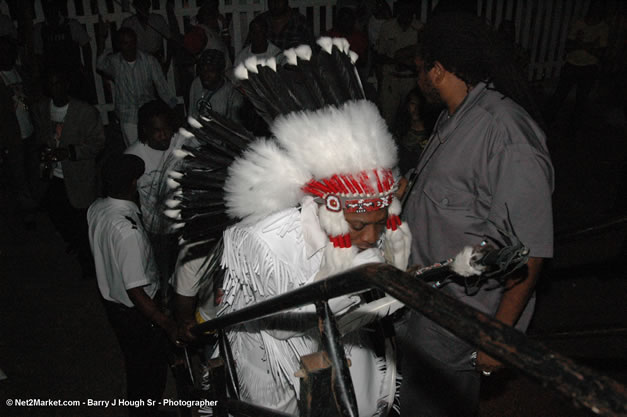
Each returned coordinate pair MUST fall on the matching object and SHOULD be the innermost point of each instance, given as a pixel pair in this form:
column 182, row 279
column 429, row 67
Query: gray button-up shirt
column 485, row 162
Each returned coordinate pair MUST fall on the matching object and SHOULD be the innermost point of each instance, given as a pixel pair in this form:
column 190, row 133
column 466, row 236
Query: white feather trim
column 251, row 64
column 290, row 56
column 397, row 246
column 180, row 153
column 326, row 43
column 395, row 207
column 240, row 72
column 349, row 139
column 172, row 184
column 175, row 174
column 335, row 260
column 462, row 265
column 354, row 56
column 194, row 123
column 271, row 63
column 173, row 214
column 341, row 44
column 333, row 223
column 262, row 181
column 186, row 133
column 304, row 52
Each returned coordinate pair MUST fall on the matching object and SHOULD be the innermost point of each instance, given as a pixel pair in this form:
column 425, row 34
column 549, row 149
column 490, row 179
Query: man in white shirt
column 128, row 283
column 395, row 53
column 156, row 127
column 136, row 76
column 151, row 29
column 72, row 135
column 258, row 44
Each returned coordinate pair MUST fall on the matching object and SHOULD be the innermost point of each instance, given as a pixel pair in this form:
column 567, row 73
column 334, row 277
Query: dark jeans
column 434, row 391
column 144, row 348
column 23, row 168
column 435, row 384
column 582, row 77
column 69, row 221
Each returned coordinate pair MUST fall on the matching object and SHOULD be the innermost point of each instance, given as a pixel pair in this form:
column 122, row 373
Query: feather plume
column 462, row 264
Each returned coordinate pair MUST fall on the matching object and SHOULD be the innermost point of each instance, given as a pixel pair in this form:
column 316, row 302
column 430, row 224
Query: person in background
column 345, row 26
column 211, row 90
column 586, row 43
column 410, row 129
column 287, row 28
column 206, row 33
column 486, row 166
column 394, row 56
column 128, row 282
column 258, row 44
column 72, row 137
column 58, row 42
column 17, row 140
column 136, row 76
column 156, row 126
column 152, row 32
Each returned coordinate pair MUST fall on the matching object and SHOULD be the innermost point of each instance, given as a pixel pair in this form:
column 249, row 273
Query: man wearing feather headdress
column 314, row 200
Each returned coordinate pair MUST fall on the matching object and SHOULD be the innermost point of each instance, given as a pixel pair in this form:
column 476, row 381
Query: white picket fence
column 541, row 25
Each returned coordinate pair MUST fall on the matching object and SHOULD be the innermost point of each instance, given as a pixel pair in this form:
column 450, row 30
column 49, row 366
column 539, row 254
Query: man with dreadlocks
column 314, row 200
column 485, row 168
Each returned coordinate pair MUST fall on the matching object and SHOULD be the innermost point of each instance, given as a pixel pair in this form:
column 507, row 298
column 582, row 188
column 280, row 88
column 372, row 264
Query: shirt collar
column 116, row 202
column 446, row 123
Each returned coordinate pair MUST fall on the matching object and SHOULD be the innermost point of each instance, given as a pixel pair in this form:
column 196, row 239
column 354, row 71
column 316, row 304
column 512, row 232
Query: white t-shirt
column 148, row 185
column 122, row 253
column 57, row 117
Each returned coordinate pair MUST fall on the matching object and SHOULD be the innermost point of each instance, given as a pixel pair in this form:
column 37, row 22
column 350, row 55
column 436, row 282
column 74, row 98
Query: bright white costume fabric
column 275, row 255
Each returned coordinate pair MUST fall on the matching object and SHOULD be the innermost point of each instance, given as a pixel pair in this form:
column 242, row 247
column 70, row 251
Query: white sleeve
column 187, row 276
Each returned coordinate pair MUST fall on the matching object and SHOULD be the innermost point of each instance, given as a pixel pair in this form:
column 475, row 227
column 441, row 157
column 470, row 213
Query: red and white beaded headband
column 368, row 191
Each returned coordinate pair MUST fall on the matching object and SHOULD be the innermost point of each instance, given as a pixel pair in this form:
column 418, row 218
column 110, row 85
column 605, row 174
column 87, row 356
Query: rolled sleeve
column 132, row 254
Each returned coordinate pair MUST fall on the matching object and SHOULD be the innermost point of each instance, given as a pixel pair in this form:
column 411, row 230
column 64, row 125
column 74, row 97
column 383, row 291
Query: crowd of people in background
column 54, row 145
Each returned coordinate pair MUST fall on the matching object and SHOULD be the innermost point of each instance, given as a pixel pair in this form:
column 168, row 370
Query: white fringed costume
column 272, row 252
column 330, row 153
column 271, row 257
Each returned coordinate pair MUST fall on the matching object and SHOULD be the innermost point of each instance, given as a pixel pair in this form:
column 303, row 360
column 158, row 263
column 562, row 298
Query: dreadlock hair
column 468, row 47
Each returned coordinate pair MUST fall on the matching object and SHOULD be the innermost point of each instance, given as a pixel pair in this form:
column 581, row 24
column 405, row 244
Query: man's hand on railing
column 185, row 334
column 486, row 364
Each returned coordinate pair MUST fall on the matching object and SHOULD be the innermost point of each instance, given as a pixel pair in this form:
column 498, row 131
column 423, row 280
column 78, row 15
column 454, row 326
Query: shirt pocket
column 448, row 198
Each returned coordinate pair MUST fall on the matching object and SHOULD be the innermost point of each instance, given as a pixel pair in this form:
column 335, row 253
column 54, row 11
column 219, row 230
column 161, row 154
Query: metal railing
column 585, row 387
